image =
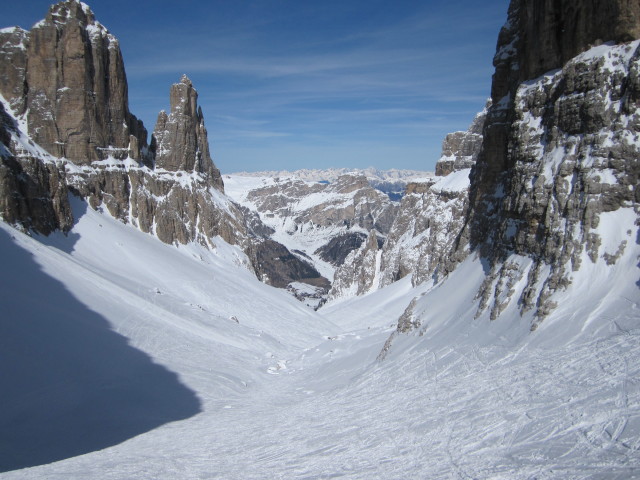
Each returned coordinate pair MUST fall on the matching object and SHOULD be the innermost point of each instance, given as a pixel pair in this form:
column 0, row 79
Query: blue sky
column 287, row 84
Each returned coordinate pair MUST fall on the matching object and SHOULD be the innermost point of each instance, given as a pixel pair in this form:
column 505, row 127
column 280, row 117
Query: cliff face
column 181, row 199
column 180, row 139
column 13, row 66
column 540, row 36
column 460, row 150
column 67, row 76
column 68, row 128
column 421, row 242
column 65, row 127
column 561, row 144
column 33, row 188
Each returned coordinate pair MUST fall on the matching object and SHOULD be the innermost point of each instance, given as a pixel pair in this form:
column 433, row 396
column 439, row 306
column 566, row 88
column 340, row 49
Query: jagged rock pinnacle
column 184, row 79
column 180, row 138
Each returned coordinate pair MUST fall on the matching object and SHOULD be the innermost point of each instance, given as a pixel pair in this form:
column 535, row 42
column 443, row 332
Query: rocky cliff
column 179, row 140
column 67, row 77
column 561, row 144
column 461, row 149
column 421, row 242
column 320, row 222
column 33, row 188
column 65, row 127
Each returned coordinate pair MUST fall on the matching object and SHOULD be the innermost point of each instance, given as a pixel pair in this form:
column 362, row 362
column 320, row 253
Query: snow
column 610, row 53
column 124, row 357
column 454, row 182
column 332, row 174
column 21, row 142
column 305, row 235
column 182, row 365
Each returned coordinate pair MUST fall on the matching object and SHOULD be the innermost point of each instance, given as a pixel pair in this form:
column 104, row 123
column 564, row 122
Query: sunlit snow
column 263, row 387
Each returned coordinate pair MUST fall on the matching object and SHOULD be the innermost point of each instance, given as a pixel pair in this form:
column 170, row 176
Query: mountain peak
column 185, row 80
column 180, row 138
column 61, row 12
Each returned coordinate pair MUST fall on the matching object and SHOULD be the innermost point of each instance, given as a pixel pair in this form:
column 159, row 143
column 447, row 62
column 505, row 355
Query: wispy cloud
column 334, row 73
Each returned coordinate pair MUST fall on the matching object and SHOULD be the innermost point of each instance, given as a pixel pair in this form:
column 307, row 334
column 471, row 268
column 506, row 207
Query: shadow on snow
column 70, row 385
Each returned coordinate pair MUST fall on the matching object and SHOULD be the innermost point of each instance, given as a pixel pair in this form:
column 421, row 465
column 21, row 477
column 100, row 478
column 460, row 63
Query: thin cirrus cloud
column 301, row 84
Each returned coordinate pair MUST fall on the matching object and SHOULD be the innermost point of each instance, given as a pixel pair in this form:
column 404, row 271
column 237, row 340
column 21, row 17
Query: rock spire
column 180, row 138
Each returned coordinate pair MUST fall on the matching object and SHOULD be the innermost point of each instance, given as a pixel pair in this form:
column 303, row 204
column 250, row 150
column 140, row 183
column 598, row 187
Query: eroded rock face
column 361, row 274
column 278, row 267
column 421, row 244
column 561, row 142
column 66, row 76
column 423, row 241
column 33, row 191
column 13, row 66
column 180, row 139
column 338, row 248
column 177, row 207
column 348, row 202
column 66, row 79
column 461, row 149
column 540, row 36
column 76, row 90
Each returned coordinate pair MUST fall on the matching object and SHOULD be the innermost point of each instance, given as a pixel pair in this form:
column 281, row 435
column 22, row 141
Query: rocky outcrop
column 552, row 33
column 33, row 192
column 323, row 222
column 13, row 66
column 278, row 267
column 76, row 102
column 338, row 248
column 180, row 140
column 461, row 149
column 65, row 80
column 561, row 144
column 349, row 202
column 359, row 273
column 422, row 242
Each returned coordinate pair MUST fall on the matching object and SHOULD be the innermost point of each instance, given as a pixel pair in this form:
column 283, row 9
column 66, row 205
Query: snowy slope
column 285, row 393
column 113, row 303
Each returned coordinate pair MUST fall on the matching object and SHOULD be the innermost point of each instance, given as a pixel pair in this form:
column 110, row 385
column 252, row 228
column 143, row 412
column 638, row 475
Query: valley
column 162, row 319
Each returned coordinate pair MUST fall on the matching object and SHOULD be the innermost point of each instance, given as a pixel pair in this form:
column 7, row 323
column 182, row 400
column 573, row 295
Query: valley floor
column 265, row 388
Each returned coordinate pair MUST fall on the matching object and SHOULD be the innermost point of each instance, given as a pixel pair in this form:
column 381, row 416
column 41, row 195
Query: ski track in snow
column 290, row 393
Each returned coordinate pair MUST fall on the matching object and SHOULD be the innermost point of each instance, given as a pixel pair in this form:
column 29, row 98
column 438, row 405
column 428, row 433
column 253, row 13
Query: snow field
column 285, row 392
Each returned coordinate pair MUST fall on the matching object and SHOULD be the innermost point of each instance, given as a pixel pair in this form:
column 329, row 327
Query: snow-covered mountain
column 69, row 129
column 374, row 175
column 320, row 222
column 392, row 182
column 422, row 240
column 506, row 346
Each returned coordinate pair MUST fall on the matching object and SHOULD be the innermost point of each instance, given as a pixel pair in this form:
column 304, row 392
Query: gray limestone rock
column 427, row 228
column 337, row 249
column 278, row 267
column 359, row 272
column 560, row 142
column 77, row 99
column 13, row 67
column 348, row 202
column 461, row 149
column 33, row 193
column 180, row 138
